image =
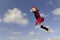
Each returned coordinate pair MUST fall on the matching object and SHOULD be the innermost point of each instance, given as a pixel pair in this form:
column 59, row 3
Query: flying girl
column 39, row 19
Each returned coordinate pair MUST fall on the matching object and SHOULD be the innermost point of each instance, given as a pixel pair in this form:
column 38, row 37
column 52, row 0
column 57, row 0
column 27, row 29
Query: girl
column 39, row 19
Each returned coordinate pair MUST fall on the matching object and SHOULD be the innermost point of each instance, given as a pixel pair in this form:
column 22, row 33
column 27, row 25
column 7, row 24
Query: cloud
column 49, row 39
column 3, row 28
column 50, row 3
column 12, row 38
column 56, row 11
column 33, row 33
column 15, row 16
column 24, row 14
column 16, row 33
column 55, row 18
column 0, row 20
column 36, row 39
column 54, row 38
column 43, row 15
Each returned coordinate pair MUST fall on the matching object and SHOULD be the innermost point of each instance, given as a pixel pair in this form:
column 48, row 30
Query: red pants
column 39, row 20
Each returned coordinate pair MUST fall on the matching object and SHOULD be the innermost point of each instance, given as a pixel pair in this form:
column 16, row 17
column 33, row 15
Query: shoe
column 49, row 30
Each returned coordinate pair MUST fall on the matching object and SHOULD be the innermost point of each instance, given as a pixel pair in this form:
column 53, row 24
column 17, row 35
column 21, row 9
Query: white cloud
column 43, row 15
column 15, row 16
column 16, row 33
column 50, row 3
column 24, row 14
column 0, row 20
column 3, row 28
column 55, row 18
column 49, row 39
column 54, row 38
column 36, row 39
column 12, row 38
column 31, row 33
column 56, row 11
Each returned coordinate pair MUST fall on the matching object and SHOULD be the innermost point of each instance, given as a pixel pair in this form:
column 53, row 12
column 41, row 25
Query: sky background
column 17, row 22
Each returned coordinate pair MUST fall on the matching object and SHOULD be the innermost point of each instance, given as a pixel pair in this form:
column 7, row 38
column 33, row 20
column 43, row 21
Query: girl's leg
column 43, row 27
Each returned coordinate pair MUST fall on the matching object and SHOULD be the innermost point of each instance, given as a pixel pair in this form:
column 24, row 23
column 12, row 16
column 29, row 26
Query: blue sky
column 18, row 23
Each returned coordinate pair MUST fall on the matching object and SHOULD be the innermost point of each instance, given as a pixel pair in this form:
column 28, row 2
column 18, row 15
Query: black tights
column 44, row 27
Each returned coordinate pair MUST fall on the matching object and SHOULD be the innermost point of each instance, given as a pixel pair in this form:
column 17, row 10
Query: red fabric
column 39, row 20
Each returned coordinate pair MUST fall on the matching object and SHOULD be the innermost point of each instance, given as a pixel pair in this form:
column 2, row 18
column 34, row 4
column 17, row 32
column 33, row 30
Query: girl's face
column 34, row 9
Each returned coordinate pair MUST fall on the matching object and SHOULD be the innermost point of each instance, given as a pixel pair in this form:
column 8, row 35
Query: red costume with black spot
column 39, row 19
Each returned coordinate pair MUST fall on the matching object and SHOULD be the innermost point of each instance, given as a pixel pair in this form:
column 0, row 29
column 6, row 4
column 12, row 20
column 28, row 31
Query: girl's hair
column 35, row 7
